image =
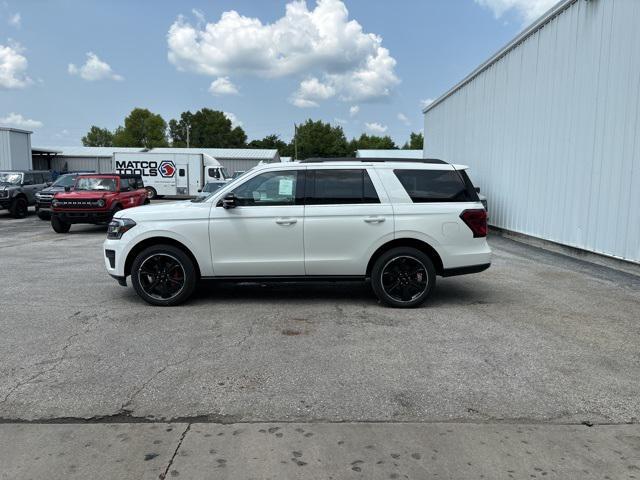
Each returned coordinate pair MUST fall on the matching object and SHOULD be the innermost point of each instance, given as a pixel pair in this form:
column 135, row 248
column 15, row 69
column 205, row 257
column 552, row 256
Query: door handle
column 374, row 219
column 286, row 221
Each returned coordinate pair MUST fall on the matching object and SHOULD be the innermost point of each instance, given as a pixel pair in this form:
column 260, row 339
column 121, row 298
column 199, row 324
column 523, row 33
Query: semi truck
column 171, row 174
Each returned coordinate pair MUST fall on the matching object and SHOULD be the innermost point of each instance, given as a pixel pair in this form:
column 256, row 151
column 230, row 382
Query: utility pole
column 295, row 141
column 188, row 130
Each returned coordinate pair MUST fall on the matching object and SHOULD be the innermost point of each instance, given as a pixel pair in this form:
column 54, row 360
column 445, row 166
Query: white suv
column 398, row 223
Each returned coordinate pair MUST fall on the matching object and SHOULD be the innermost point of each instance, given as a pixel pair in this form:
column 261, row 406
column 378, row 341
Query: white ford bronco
column 397, row 223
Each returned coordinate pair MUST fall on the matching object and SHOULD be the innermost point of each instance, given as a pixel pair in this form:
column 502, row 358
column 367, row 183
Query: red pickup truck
column 95, row 198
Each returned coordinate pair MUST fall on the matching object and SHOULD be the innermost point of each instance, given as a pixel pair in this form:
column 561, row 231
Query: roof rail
column 375, row 160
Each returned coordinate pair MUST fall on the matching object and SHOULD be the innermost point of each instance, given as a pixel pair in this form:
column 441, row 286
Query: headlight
column 38, row 195
column 4, row 193
column 100, row 203
column 118, row 227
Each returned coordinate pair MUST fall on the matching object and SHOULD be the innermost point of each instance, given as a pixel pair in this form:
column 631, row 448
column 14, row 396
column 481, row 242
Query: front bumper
column 5, row 203
column 78, row 216
column 115, row 254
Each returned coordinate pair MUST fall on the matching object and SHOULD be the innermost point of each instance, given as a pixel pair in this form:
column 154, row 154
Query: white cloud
column 403, row 118
column 322, row 45
column 529, row 10
column 426, row 102
column 15, row 20
column 199, row 15
column 223, row 86
column 376, row 127
column 94, row 69
column 233, row 119
column 18, row 121
column 353, row 111
column 310, row 92
column 341, row 121
column 13, row 67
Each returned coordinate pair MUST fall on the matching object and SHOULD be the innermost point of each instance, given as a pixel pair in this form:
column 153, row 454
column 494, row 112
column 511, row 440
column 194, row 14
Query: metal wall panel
column 551, row 130
column 15, row 150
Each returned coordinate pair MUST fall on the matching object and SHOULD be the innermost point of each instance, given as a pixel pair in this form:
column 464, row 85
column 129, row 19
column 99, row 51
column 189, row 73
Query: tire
column 59, row 226
column 403, row 277
column 151, row 193
column 19, row 208
column 168, row 261
column 146, row 201
column 44, row 215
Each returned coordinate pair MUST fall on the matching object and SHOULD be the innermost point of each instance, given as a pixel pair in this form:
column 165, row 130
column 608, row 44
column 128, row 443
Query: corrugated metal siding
column 551, row 130
column 15, row 150
column 237, row 164
column 88, row 164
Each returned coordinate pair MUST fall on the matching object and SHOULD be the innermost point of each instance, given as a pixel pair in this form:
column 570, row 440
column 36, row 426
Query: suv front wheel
column 19, row 208
column 403, row 277
column 163, row 275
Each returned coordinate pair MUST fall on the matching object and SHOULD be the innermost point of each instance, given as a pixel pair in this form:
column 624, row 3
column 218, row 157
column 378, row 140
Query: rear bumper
column 95, row 217
column 452, row 272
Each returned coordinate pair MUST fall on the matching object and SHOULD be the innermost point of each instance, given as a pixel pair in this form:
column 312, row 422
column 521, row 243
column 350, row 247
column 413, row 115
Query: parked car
column 18, row 189
column 95, row 199
column 45, row 196
column 398, row 223
column 209, row 188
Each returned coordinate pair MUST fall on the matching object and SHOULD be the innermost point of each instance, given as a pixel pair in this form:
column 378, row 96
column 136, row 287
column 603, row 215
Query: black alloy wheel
column 163, row 275
column 403, row 277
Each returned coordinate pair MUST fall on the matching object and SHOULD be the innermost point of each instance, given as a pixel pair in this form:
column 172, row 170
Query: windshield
column 11, row 177
column 65, row 181
column 89, row 183
column 212, row 187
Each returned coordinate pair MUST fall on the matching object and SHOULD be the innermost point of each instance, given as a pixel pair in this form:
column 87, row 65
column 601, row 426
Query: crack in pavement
column 163, row 475
column 124, row 409
column 56, row 362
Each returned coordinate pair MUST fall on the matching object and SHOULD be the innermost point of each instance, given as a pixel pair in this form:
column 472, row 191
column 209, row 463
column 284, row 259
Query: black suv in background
column 18, row 189
column 44, row 197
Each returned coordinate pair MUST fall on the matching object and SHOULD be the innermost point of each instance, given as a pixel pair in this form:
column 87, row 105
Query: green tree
column 416, row 142
column 319, row 139
column 142, row 128
column 273, row 141
column 98, row 137
column 207, row 129
column 372, row 142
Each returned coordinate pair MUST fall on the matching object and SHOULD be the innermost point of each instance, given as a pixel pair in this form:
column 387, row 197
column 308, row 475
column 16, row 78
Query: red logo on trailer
column 167, row 169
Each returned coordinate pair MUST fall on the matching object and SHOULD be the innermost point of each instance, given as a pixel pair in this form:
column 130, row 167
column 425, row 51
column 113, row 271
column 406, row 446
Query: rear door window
column 340, row 187
column 424, row 186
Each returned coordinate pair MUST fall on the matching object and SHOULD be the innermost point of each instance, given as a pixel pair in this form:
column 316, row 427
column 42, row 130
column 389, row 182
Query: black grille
column 77, row 203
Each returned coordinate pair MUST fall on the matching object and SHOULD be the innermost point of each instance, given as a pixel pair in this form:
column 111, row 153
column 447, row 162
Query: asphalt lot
column 538, row 339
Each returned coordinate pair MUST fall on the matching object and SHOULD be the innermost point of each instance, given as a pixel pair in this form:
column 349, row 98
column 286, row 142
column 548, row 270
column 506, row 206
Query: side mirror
column 67, row 189
column 229, row 201
column 477, row 189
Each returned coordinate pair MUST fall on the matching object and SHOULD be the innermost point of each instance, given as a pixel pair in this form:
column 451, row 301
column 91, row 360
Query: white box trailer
column 171, row 174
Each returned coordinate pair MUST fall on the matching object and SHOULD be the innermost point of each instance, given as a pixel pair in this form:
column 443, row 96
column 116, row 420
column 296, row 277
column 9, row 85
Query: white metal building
column 100, row 159
column 550, row 126
column 369, row 153
column 233, row 159
column 15, row 149
column 87, row 159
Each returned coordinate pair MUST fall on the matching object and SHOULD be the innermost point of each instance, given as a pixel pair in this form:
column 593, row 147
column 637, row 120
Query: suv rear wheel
column 19, row 208
column 403, row 277
column 163, row 275
column 59, row 226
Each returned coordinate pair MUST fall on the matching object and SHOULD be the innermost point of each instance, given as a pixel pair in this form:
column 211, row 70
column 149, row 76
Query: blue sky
column 368, row 64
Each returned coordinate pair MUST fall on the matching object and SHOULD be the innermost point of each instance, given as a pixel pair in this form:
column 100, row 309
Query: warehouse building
column 100, row 159
column 550, row 128
column 15, row 149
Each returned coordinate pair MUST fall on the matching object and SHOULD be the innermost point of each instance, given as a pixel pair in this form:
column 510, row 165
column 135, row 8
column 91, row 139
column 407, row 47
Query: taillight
column 476, row 220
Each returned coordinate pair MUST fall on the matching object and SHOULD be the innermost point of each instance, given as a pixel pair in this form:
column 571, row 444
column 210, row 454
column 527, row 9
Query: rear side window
column 340, row 187
column 424, row 186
